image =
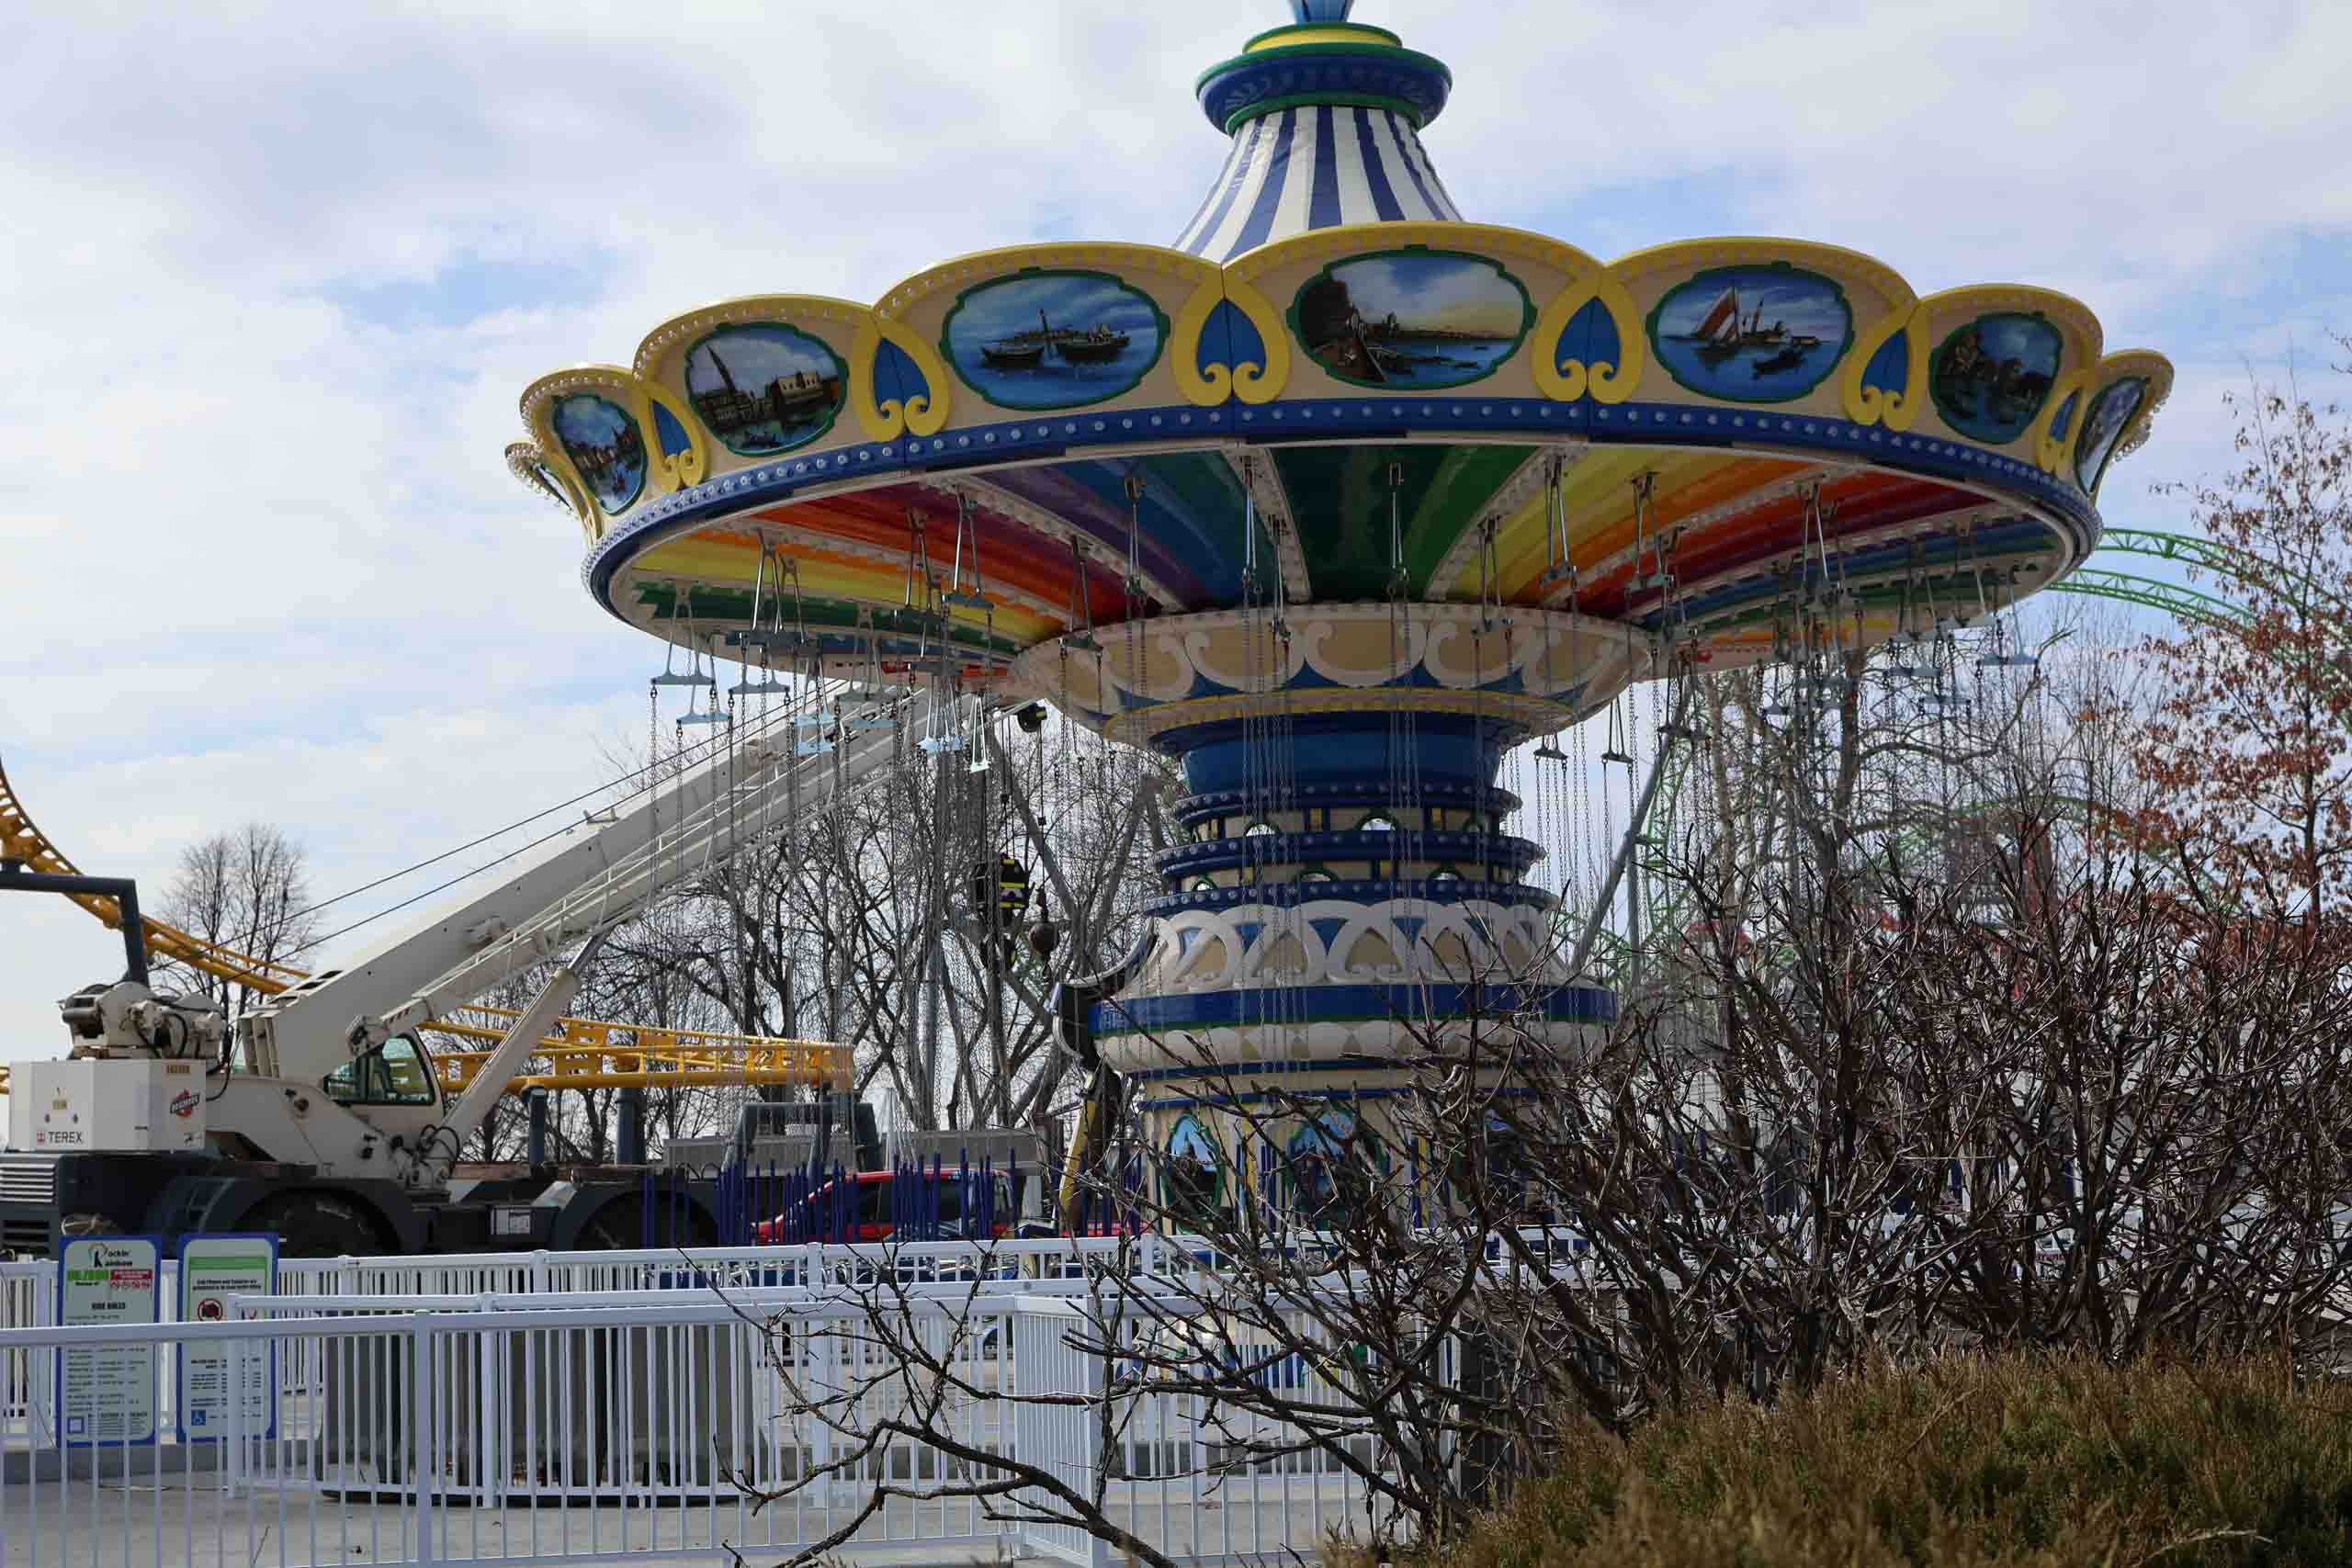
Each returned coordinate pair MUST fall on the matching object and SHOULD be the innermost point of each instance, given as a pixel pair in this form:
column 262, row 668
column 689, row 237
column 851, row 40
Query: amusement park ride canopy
column 1335, row 500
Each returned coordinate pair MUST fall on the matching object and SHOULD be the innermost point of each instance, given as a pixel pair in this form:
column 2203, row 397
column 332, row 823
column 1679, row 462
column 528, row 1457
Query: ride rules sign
column 214, row 1270
column 105, row 1392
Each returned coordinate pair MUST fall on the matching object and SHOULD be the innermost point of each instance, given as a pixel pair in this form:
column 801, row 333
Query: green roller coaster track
column 1663, row 907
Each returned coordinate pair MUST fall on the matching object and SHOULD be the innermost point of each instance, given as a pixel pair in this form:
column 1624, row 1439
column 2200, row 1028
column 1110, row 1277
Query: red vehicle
column 869, row 1205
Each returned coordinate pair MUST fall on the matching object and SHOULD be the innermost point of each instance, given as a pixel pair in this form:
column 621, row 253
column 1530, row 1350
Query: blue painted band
column 1460, row 847
column 1434, row 792
column 1358, row 890
column 1414, row 84
column 1261, row 1096
column 1271, row 1005
column 1462, row 750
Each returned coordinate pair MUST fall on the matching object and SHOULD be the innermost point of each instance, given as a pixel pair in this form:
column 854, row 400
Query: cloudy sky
column 274, row 273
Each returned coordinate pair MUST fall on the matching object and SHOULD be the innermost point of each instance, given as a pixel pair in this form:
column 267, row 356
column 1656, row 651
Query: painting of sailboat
column 1053, row 340
column 1411, row 318
column 1990, row 377
column 1752, row 334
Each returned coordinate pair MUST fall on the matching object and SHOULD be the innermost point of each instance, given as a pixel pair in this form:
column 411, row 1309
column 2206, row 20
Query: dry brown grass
column 1959, row 1463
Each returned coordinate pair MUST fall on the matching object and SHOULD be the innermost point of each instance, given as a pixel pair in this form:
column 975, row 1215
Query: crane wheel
column 625, row 1225
column 316, row 1224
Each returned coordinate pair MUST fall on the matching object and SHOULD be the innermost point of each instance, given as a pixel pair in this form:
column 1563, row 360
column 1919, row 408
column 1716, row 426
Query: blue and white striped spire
column 1317, row 166
column 1325, row 118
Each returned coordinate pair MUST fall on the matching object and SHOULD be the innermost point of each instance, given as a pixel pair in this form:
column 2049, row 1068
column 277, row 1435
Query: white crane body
column 327, row 1081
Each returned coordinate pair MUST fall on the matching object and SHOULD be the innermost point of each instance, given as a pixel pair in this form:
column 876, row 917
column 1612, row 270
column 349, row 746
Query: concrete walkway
column 171, row 1520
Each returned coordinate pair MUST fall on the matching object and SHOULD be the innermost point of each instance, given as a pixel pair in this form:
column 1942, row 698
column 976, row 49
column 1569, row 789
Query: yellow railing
column 617, row 1056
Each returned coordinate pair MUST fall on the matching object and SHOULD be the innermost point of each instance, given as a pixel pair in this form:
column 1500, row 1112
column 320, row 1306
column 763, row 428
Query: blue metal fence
column 778, row 1204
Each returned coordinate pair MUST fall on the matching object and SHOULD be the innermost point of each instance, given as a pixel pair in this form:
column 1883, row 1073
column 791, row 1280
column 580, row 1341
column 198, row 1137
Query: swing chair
column 1616, row 751
column 967, row 538
column 766, row 627
column 692, row 675
column 713, row 713
column 865, row 705
column 939, row 736
column 2008, row 651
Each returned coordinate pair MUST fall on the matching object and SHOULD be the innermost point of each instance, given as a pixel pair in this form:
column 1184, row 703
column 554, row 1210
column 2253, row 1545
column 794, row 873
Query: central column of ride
column 1344, row 903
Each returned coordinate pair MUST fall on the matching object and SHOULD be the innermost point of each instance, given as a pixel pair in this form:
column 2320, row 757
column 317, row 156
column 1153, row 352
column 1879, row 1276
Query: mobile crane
column 322, row 1115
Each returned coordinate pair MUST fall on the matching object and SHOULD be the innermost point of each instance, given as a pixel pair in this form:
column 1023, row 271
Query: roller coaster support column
column 630, row 1138
column 1626, row 849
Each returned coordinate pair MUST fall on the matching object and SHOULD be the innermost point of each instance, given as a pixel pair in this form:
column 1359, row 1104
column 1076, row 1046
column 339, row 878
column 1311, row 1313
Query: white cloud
column 260, row 555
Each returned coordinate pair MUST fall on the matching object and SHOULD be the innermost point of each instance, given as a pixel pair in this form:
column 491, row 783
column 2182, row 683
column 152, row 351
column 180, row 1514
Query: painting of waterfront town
column 1411, row 318
column 2110, row 413
column 1753, row 334
column 762, row 387
column 1053, row 340
column 604, row 445
column 1992, row 376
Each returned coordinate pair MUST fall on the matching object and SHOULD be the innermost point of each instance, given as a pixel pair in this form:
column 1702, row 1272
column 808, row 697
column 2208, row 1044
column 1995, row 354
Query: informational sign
column 213, row 1269
column 106, row 1393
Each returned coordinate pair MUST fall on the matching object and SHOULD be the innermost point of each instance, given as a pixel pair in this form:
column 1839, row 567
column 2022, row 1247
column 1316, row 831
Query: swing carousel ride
column 1336, row 500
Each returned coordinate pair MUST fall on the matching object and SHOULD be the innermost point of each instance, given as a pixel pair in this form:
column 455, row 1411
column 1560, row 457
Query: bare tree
column 248, row 891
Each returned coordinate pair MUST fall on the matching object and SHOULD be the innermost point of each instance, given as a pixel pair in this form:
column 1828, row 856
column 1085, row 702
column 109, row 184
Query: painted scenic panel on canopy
column 1053, row 340
column 1752, row 334
column 605, row 447
column 2110, row 413
column 1411, row 318
column 764, row 387
column 1990, row 377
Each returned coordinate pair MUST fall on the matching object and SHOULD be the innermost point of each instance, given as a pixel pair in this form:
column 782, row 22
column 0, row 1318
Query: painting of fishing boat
column 1012, row 356
column 1412, row 318
column 1053, row 340
column 605, row 447
column 1752, row 334
column 764, row 387
column 1990, row 377
column 2110, row 413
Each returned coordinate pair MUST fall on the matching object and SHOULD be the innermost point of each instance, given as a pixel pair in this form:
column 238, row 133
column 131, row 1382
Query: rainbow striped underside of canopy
column 1738, row 517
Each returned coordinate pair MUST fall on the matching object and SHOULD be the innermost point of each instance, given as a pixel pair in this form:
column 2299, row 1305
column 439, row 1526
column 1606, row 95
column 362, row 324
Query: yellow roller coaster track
column 582, row 1052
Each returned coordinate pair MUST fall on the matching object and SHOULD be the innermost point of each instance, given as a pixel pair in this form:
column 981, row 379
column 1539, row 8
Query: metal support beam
column 629, row 1136
column 1625, row 851
column 121, row 889
column 431, row 1160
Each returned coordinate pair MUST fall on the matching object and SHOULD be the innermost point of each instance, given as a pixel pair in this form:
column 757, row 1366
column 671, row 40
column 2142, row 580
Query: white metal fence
column 656, row 1421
